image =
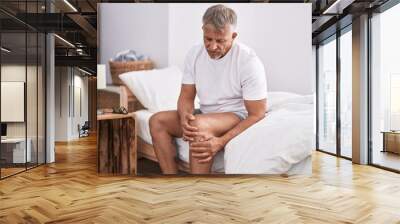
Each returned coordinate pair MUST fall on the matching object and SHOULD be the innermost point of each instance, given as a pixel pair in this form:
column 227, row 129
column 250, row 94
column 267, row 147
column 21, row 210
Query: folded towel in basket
column 129, row 55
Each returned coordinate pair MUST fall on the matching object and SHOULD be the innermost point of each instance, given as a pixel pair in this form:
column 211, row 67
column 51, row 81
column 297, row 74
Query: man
column 230, row 82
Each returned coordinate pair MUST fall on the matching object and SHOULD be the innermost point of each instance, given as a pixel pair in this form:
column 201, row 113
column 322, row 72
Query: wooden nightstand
column 116, row 144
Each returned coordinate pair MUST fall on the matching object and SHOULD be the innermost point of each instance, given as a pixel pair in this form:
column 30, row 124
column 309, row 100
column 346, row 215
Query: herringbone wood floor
column 70, row 191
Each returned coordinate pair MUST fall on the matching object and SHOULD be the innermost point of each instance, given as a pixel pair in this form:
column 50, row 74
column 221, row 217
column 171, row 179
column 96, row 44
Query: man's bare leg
column 164, row 127
column 213, row 124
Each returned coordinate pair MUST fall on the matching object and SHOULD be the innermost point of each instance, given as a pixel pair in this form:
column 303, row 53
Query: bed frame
column 144, row 150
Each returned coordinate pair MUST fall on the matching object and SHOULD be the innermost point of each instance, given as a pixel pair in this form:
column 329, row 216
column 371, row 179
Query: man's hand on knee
column 193, row 129
column 205, row 150
column 189, row 131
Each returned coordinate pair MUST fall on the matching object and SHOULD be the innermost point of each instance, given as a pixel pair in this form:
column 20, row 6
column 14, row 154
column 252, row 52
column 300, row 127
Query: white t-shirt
column 222, row 85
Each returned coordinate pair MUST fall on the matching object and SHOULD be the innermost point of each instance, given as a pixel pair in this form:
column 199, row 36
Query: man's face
column 218, row 42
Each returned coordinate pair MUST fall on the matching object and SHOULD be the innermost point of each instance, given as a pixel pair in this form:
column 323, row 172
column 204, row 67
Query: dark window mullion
column 369, row 90
column 26, row 87
column 338, row 92
column 37, row 91
column 44, row 79
column 317, row 95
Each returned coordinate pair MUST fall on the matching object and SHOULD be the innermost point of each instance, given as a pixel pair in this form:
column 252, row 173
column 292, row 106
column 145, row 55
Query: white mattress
column 143, row 117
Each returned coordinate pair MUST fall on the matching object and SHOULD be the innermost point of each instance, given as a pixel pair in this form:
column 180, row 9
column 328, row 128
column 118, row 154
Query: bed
column 298, row 144
column 281, row 143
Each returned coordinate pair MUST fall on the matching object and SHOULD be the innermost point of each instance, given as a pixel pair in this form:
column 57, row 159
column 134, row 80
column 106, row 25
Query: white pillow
column 156, row 89
column 276, row 99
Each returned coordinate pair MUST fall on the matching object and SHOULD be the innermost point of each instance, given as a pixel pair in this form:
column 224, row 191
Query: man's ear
column 234, row 35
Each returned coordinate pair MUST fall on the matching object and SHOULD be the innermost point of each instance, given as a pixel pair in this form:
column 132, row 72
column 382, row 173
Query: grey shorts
column 241, row 115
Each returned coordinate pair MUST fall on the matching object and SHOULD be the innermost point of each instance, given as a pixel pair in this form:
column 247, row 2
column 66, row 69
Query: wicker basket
column 117, row 68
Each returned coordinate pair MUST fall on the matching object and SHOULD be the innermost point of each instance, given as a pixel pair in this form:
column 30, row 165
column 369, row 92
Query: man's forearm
column 240, row 127
column 185, row 106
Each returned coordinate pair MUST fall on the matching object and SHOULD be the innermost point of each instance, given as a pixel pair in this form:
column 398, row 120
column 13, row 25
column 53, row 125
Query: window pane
column 386, row 88
column 31, row 97
column 346, row 93
column 327, row 96
column 15, row 151
column 41, row 98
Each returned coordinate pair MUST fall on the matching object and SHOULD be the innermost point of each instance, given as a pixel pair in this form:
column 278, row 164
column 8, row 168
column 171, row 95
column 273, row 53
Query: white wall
column 279, row 33
column 84, row 85
column 61, row 103
column 66, row 121
column 17, row 73
column 80, row 84
column 142, row 27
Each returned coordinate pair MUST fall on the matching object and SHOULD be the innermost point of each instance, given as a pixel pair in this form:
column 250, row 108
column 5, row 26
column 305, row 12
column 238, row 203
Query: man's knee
column 201, row 123
column 156, row 122
column 204, row 127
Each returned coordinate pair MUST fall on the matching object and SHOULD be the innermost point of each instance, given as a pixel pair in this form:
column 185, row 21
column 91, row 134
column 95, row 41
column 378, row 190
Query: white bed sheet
column 285, row 137
column 280, row 143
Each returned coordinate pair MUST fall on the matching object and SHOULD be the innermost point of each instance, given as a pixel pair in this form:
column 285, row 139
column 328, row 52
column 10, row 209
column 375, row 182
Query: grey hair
column 219, row 16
